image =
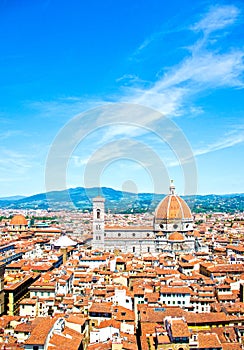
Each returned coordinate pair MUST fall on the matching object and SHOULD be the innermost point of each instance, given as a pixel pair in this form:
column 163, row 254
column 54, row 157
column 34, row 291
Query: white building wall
column 175, row 299
column 102, row 334
column 127, row 328
column 120, row 298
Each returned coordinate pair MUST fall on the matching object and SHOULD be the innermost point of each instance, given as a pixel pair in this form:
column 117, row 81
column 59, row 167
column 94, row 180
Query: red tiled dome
column 173, row 207
column 18, row 220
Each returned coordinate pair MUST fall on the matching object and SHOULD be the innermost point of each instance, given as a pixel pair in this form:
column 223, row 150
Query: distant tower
column 98, row 223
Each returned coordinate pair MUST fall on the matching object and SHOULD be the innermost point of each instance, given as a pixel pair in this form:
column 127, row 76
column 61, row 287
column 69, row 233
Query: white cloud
column 219, row 17
column 172, row 94
column 226, row 142
column 14, row 164
column 119, row 131
column 230, row 139
column 204, row 70
column 65, row 108
column 201, row 69
column 11, row 133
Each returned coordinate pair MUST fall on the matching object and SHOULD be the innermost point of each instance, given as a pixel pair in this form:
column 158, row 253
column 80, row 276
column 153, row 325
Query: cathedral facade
column 171, row 230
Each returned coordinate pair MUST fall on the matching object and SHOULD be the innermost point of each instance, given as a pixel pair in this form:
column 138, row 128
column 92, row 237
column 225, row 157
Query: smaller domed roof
column 19, row 220
column 176, row 236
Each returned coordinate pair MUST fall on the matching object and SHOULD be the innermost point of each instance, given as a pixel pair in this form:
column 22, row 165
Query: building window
column 148, row 249
column 119, row 234
column 133, row 234
column 98, row 213
column 133, row 249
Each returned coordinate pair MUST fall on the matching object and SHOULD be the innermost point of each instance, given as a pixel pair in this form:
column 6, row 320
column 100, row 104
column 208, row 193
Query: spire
column 172, row 187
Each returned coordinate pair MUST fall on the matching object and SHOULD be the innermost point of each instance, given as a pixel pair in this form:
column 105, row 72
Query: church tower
column 98, row 223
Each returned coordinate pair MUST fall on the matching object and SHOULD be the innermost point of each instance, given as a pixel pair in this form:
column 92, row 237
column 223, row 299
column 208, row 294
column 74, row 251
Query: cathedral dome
column 176, row 237
column 18, row 220
column 173, row 207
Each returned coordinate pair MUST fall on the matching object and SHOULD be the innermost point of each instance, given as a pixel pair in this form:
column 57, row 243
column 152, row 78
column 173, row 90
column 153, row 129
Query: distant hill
column 119, row 201
column 12, row 198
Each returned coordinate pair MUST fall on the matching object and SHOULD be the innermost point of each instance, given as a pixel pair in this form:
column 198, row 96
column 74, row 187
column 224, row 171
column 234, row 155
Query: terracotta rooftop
column 179, row 329
column 40, row 332
column 101, row 307
column 208, row 341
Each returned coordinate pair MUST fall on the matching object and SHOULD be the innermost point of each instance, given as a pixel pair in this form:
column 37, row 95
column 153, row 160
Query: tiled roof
column 40, row 332
column 208, row 341
column 175, row 290
column 179, row 329
column 101, row 307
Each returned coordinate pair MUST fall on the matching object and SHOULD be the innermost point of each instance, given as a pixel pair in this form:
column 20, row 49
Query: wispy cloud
column 120, row 131
column 228, row 140
column 174, row 93
column 129, row 78
column 16, row 162
column 18, row 172
column 144, row 45
column 11, row 133
column 219, row 17
column 63, row 108
column 203, row 67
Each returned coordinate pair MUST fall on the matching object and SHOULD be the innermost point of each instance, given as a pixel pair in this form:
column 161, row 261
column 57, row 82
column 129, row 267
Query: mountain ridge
column 119, row 201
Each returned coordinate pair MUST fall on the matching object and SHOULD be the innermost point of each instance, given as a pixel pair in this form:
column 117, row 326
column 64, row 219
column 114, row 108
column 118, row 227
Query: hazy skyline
column 184, row 60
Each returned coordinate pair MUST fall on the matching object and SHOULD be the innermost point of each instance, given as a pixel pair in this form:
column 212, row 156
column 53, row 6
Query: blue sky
column 182, row 59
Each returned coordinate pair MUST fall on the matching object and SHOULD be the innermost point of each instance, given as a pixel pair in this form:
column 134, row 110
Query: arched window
column 98, row 213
